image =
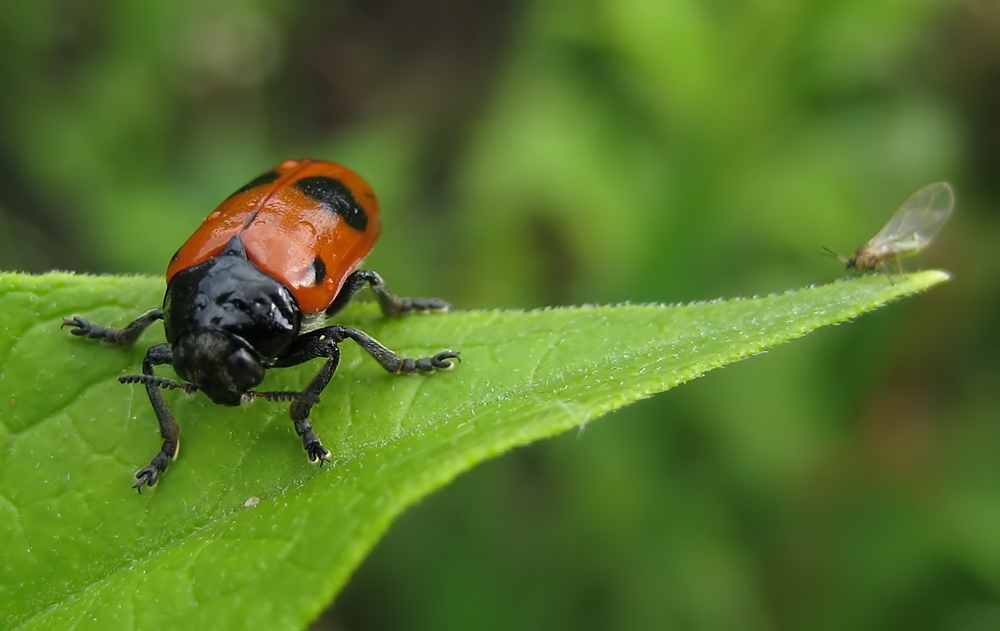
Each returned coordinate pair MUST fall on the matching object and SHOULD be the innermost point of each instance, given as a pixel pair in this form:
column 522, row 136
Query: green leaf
column 81, row 549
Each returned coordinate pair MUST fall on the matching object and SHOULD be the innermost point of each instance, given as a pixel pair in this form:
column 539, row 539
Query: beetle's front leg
column 120, row 337
column 304, row 401
column 169, row 429
column 324, row 343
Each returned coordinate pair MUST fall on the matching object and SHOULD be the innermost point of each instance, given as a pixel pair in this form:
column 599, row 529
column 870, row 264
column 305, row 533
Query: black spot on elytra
column 319, row 270
column 336, row 198
column 260, row 180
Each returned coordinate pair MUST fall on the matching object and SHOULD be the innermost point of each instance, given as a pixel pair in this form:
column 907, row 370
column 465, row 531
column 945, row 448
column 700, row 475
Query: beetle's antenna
column 159, row 382
column 274, row 396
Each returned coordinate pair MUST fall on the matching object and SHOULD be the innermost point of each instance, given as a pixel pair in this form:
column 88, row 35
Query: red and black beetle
column 250, row 291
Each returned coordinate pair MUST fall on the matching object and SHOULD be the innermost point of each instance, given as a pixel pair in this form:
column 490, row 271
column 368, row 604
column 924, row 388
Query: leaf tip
column 928, row 278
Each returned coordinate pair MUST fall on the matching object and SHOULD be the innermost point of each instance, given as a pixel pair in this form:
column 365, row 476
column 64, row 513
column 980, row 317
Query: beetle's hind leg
column 387, row 301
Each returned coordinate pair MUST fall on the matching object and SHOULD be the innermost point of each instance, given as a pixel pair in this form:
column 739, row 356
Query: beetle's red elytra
column 251, row 290
column 306, row 224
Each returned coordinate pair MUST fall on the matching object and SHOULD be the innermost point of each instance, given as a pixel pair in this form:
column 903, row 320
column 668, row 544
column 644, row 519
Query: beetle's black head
column 222, row 365
column 226, row 322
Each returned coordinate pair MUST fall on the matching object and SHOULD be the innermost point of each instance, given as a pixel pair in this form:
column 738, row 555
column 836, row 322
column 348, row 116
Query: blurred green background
column 554, row 152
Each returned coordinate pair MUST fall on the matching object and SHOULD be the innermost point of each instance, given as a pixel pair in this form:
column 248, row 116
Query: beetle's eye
column 245, row 371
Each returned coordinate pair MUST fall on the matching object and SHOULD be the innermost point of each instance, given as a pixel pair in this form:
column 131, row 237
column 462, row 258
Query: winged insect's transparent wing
column 917, row 220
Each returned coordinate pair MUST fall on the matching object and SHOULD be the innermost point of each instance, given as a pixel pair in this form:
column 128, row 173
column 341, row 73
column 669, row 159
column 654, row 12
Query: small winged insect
column 910, row 229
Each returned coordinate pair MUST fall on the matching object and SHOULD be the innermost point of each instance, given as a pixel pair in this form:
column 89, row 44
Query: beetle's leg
column 306, row 347
column 121, row 337
column 169, row 429
column 324, row 343
column 390, row 304
column 315, row 344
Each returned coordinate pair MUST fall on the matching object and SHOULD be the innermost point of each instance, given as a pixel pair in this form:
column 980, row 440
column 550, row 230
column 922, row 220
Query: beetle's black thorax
column 226, row 321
